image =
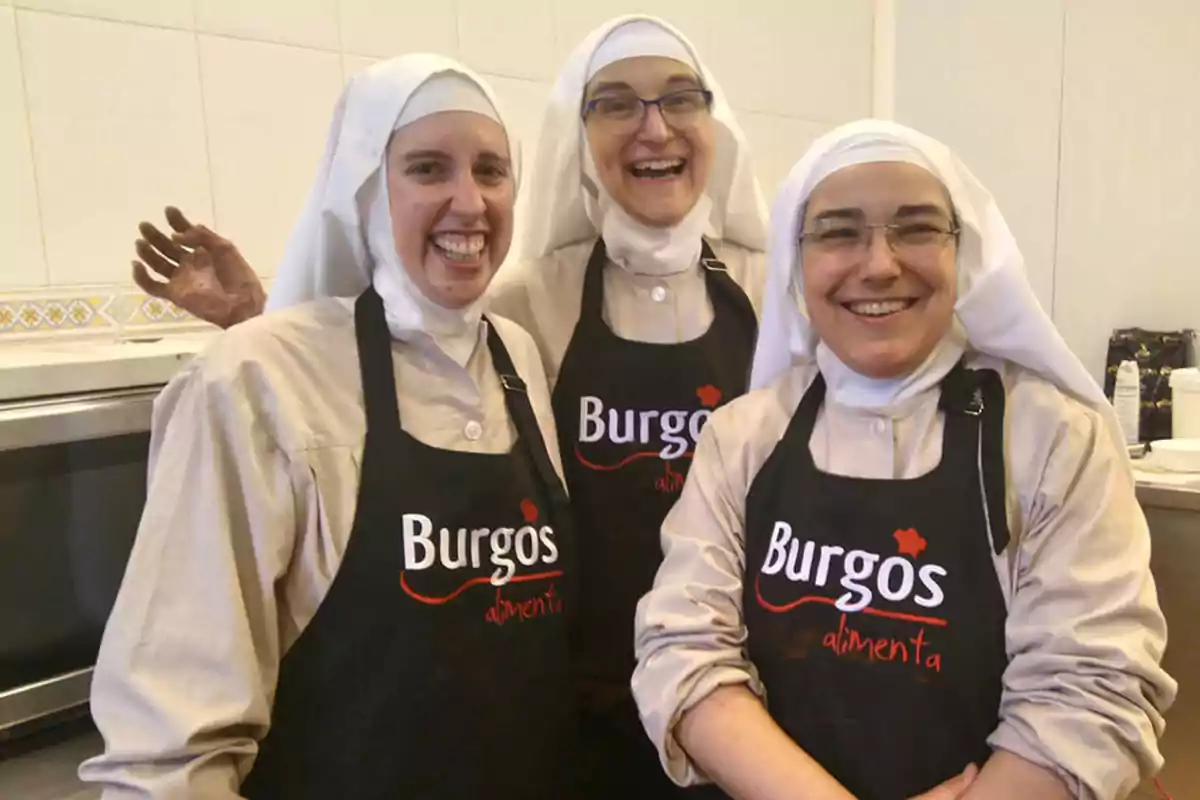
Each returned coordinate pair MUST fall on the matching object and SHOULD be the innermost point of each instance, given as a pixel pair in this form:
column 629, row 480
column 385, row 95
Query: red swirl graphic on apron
column 481, row 579
column 816, row 598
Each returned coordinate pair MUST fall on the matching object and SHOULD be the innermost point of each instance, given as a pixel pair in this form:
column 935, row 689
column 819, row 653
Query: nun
column 910, row 562
column 640, row 280
column 642, row 275
column 355, row 565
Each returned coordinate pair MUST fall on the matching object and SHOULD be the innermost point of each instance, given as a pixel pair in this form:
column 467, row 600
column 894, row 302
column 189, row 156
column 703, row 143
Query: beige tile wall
column 111, row 109
column 1081, row 117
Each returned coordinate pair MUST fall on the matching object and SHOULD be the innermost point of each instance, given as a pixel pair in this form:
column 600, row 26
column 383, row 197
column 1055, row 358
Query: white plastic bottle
column 1127, row 400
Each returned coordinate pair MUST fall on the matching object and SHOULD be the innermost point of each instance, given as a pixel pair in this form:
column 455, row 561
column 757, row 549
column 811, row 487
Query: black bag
column 1158, row 354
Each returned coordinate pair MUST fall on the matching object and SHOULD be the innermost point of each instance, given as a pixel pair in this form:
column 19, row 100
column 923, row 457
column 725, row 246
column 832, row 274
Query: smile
column 463, row 248
column 658, row 169
column 878, row 308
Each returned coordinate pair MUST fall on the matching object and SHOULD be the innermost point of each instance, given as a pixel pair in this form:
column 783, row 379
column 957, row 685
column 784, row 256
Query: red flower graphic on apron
column 911, row 543
column 709, row 396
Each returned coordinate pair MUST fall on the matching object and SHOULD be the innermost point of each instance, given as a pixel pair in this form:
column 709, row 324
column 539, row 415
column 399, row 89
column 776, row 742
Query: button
column 880, row 427
column 473, row 430
column 658, row 294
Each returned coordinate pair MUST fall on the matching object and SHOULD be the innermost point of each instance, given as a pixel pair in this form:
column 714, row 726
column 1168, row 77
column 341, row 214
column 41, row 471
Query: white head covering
column 569, row 205
column 996, row 313
column 343, row 241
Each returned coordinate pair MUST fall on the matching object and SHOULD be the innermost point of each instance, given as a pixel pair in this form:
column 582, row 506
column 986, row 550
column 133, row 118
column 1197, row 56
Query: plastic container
column 1127, row 400
column 1185, row 403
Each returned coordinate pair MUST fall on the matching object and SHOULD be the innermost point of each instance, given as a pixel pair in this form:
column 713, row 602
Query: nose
column 880, row 263
column 467, row 199
column 654, row 127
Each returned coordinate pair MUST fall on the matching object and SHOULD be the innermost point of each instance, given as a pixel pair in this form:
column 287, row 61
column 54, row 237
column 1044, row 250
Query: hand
column 205, row 274
column 952, row 789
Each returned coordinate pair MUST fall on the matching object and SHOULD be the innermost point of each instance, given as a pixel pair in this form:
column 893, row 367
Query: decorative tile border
column 89, row 312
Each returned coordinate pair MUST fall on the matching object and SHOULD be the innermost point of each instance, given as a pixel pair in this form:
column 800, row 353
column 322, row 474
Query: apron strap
column 974, row 399
column 384, row 434
column 591, row 306
column 721, row 285
column 992, row 458
column 529, row 433
column 717, row 277
column 804, row 420
column 375, row 365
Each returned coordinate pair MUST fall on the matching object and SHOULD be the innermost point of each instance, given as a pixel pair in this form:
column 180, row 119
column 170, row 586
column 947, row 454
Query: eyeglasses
column 625, row 111
column 910, row 240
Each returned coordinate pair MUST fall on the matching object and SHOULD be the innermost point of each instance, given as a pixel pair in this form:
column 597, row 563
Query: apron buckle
column 714, row 264
column 512, row 383
column 975, row 406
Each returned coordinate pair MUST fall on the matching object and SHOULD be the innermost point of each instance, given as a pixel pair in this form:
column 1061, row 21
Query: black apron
column 628, row 415
column 418, row 677
column 874, row 613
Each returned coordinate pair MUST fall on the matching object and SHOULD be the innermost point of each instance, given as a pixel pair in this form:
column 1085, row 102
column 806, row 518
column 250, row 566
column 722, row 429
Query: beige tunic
column 255, row 457
column 1083, row 692
column 544, row 297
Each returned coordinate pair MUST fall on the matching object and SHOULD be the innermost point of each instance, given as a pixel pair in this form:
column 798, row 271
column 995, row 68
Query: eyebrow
column 622, row 86
column 912, row 210
column 839, row 213
column 440, row 155
column 921, row 210
column 611, row 86
column 489, row 155
column 417, row 155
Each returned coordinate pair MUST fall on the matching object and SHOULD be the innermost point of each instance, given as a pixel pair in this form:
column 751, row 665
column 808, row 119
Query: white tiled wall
column 1129, row 207
column 20, row 223
column 385, row 28
column 113, row 135
column 985, row 78
column 1081, row 116
column 308, row 23
column 267, row 108
column 111, row 109
column 161, row 13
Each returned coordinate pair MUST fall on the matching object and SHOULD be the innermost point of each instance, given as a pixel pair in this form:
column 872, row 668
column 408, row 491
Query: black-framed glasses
column 908, row 239
column 625, row 110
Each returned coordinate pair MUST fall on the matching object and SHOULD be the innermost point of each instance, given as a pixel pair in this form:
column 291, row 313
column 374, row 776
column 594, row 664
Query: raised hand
column 203, row 272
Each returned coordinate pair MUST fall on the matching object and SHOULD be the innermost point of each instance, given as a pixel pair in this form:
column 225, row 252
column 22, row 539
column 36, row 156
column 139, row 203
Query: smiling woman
column 644, row 232
column 310, row 619
column 453, row 264
column 878, row 258
column 910, row 563
column 658, row 175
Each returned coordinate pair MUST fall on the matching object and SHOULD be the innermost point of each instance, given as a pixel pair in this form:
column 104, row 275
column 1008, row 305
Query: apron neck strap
column 520, row 410
column 375, row 366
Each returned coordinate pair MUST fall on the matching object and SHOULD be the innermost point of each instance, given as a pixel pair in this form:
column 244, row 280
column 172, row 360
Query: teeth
column 460, row 244
column 673, row 163
column 877, row 308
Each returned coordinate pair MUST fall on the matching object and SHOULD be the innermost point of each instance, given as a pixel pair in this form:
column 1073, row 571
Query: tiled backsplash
column 99, row 312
